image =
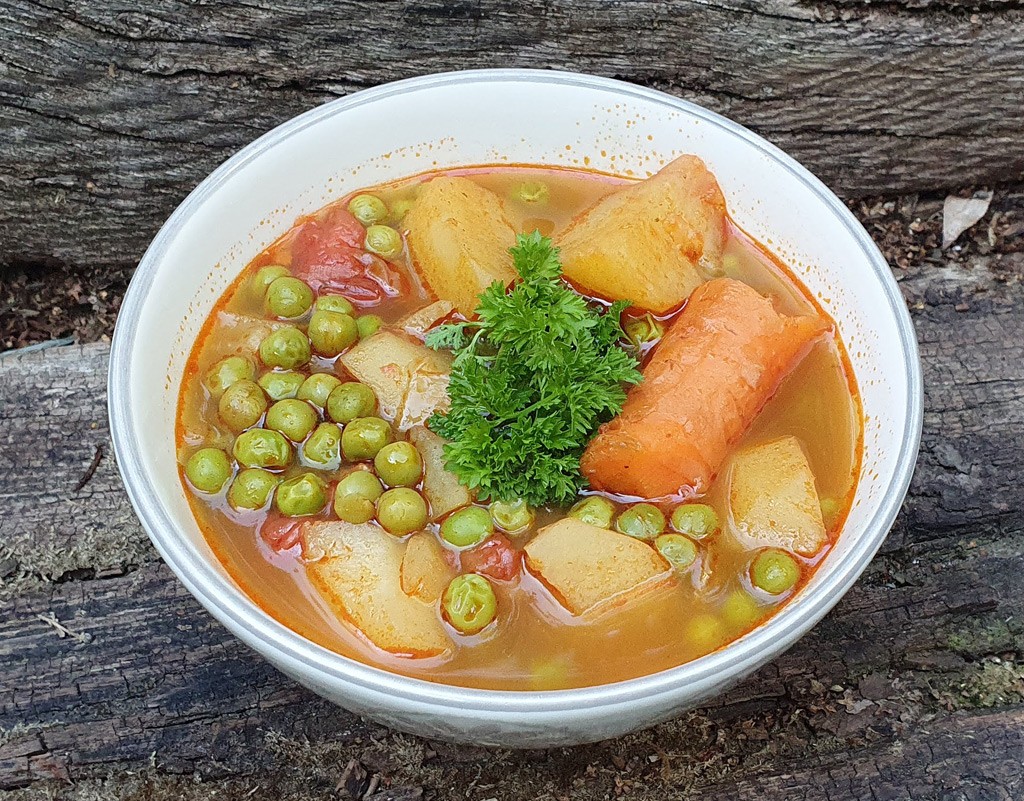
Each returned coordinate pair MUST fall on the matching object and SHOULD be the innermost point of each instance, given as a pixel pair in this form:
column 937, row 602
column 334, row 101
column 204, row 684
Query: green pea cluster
column 675, row 537
column 306, row 442
column 298, row 430
column 286, row 421
column 382, row 240
column 772, row 572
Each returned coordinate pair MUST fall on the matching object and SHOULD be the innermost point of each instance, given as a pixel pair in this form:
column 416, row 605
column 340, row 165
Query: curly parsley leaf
column 533, row 378
column 451, row 336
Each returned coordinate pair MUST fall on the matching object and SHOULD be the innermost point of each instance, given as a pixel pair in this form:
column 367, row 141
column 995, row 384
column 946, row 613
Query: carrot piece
column 714, row 370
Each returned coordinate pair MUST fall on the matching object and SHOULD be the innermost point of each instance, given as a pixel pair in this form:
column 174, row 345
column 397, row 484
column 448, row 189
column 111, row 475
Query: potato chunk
column 652, row 242
column 240, row 334
column 387, row 362
column 442, row 488
column 590, row 568
column 425, row 571
column 426, row 393
column 359, row 573
column 773, row 499
column 459, row 236
column 419, row 322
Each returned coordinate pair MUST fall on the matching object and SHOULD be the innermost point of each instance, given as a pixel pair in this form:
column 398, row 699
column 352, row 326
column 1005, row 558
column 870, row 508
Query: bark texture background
column 115, row 684
column 113, row 111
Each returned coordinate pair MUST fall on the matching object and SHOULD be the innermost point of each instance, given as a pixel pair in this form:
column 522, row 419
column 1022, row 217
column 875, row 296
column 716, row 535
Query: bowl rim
column 233, row 608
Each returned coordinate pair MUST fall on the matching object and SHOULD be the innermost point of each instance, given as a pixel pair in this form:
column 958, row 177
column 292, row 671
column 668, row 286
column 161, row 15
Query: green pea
column 595, row 510
column 251, row 488
column 355, row 496
column 318, row 388
column 466, row 527
column 829, row 511
column 553, row 673
column 330, row 332
column 242, row 405
column 292, row 417
column 705, row 632
column 259, row 447
column 301, row 496
column 644, row 330
column 383, row 240
column 208, row 469
column 401, row 511
column 533, row 192
column 399, row 464
column 353, row 509
column 287, row 347
column 469, row 603
column 364, row 437
column 368, row 209
column 227, row 372
column 289, row 297
column 741, row 611
column 512, row 517
column 774, row 571
column 368, row 325
column 281, row 384
column 349, row 401
column 679, row 551
column 696, row 520
column 644, row 521
column 400, row 208
column 265, row 276
column 335, row 303
column 323, row 448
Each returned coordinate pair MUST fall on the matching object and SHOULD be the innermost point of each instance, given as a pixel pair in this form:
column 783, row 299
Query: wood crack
column 91, row 126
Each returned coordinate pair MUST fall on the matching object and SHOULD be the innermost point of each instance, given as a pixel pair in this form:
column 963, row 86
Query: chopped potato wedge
column 386, row 362
column 443, row 490
column 241, row 334
column 357, row 568
column 425, row 571
column 652, row 242
column 426, row 393
column 422, row 320
column 590, row 568
column 773, row 499
column 458, row 237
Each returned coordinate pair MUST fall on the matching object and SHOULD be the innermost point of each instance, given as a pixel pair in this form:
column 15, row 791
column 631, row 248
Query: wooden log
column 115, row 683
column 114, row 113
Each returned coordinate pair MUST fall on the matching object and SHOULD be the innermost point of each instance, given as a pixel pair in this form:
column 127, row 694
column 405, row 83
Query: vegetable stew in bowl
column 520, row 427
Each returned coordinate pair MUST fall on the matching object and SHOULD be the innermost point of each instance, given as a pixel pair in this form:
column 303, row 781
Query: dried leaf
column 959, row 214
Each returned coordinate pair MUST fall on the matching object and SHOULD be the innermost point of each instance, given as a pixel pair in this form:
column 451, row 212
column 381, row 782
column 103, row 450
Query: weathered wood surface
column 115, row 684
column 114, row 111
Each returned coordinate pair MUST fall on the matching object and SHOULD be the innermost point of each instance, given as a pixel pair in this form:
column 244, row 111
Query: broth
column 537, row 644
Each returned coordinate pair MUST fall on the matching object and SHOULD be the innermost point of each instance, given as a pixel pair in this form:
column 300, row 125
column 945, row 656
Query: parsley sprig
column 533, row 377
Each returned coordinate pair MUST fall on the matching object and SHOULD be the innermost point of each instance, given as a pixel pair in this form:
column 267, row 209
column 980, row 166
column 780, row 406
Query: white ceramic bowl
column 494, row 117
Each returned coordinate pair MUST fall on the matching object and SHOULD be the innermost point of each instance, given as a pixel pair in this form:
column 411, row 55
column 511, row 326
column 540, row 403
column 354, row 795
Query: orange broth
column 536, row 644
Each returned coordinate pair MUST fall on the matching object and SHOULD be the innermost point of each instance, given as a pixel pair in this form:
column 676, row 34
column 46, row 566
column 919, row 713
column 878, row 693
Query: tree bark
column 112, row 113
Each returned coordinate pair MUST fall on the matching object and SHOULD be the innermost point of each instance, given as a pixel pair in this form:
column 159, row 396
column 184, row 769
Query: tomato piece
column 340, row 227
column 279, row 532
column 328, row 254
column 496, row 558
